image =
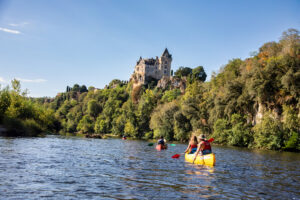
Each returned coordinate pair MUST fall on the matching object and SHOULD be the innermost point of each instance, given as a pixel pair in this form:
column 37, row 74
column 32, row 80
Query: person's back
column 161, row 141
column 205, row 147
column 193, row 143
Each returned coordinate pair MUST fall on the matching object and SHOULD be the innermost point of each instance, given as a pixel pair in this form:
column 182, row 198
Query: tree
column 83, row 89
column 91, row 88
column 162, row 120
column 5, row 101
column 76, row 88
column 16, row 85
column 183, row 71
column 171, row 95
column 145, row 107
column 93, row 108
column 199, row 74
column 182, row 127
column 268, row 133
column 115, row 83
column 85, row 125
column 101, row 125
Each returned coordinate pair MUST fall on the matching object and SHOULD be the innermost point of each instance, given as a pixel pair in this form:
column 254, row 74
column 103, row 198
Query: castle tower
column 165, row 63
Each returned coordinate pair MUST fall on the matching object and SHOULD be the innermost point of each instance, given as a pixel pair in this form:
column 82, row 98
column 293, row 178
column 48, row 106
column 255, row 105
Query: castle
column 149, row 69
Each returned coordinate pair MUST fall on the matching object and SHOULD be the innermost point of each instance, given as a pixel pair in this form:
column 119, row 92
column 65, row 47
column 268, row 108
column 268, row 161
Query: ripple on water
column 79, row 168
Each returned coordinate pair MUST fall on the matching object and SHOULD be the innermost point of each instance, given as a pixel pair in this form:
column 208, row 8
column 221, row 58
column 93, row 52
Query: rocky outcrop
column 259, row 113
column 172, row 83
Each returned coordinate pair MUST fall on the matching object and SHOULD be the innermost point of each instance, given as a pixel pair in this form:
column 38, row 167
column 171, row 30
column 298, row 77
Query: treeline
column 250, row 103
column 20, row 116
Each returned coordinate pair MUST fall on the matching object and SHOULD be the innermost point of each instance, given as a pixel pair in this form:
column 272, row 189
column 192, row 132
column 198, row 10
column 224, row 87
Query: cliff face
column 172, row 83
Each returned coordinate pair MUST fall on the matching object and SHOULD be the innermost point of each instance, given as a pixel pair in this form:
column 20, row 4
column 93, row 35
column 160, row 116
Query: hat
column 202, row 136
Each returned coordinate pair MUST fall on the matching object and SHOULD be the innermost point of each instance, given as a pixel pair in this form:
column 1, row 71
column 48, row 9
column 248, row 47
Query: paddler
column 193, row 144
column 203, row 147
column 161, row 141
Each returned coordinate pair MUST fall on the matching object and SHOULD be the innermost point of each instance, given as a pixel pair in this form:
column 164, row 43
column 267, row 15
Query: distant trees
column 21, row 116
column 183, row 71
column 77, row 88
column 196, row 74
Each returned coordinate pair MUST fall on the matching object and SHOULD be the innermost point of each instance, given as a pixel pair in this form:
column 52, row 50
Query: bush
column 268, row 134
column 32, row 127
column 221, row 131
column 293, row 143
column 26, row 128
column 239, row 135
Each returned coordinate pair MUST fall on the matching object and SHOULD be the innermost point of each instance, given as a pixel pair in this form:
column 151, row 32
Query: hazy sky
column 51, row 44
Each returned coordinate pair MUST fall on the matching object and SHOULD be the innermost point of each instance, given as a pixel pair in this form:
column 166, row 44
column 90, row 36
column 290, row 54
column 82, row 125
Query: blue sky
column 48, row 45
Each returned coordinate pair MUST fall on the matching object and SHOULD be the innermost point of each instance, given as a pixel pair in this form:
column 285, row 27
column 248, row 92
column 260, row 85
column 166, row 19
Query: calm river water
column 77, row 168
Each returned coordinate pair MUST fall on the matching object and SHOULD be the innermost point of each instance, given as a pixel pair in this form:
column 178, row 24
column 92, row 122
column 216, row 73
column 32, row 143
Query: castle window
column 166, row 62
column 166, row 67
column 165, row 71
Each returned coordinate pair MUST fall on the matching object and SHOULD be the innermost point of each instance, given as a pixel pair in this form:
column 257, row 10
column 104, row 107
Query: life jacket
column 193, row 148
column 206, row 145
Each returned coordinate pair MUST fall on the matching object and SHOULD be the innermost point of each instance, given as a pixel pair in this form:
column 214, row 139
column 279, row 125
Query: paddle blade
column 176, row 156
column 211, row 140
column 150, row 144
column 173, row 145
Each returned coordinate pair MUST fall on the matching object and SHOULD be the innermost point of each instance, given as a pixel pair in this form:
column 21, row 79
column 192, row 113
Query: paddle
column 211, row 140
column 178, row 155
column 173, row 145
column 150, row 144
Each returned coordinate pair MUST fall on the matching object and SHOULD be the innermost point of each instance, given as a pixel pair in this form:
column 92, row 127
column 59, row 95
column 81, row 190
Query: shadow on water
column 81, row 168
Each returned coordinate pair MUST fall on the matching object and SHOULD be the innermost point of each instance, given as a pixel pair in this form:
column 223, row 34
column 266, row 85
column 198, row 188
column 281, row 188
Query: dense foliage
column 250, row 103
column 20, row 116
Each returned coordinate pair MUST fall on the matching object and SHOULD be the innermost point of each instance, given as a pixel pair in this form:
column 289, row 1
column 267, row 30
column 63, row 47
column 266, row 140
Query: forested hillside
column 251, row 103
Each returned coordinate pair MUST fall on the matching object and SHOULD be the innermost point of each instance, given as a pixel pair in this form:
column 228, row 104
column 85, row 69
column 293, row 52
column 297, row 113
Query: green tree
column 85, row 125
column 93, row 108
column 221, row 131
column 171, row 95
column 182, row 127
column 5, row 101
column 198, row 73
column 162, row 120
column 183, row 71
column 268, row 133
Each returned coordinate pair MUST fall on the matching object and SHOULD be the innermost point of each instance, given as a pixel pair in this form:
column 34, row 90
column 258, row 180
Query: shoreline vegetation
column 251, row 103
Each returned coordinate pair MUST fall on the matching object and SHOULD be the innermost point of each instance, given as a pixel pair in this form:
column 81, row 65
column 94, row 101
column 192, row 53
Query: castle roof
column 150, row 61
column 166, row 53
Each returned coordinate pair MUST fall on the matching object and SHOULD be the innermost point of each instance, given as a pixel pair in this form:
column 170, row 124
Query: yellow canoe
column 208, row 159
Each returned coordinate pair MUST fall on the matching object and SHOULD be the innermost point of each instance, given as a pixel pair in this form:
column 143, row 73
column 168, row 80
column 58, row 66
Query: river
column 57, row 167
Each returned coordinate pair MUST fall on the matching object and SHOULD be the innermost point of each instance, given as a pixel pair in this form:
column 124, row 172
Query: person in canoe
column 193, row 143
column 161, row 141
column 203, row 147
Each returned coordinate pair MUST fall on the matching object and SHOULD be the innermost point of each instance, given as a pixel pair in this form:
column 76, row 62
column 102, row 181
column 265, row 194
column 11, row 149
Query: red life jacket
column 206, row 145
